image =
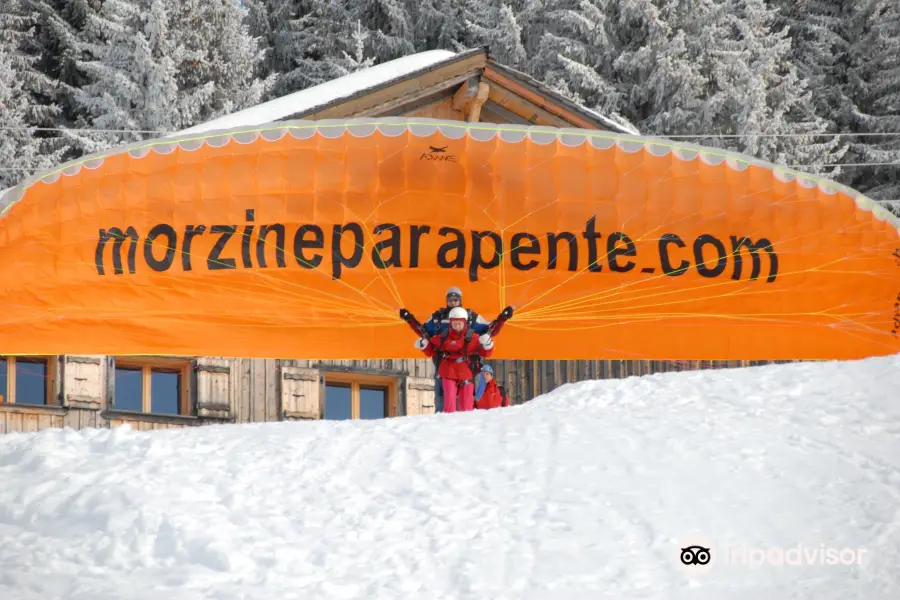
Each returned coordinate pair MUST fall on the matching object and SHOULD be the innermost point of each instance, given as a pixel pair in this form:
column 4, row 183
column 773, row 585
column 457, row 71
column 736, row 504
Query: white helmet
column 458, row 313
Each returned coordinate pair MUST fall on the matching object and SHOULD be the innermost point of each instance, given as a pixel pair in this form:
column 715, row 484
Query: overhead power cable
column 646, row 134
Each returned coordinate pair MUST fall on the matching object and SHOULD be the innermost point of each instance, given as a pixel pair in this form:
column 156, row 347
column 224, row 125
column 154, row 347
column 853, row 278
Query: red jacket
column 455, row 364
column 492, row 398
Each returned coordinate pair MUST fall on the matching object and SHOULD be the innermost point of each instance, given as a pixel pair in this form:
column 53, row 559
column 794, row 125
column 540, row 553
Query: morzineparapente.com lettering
column 249, row 246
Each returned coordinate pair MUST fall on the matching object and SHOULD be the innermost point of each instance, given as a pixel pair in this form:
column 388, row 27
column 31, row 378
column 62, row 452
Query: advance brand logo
column 438, row 154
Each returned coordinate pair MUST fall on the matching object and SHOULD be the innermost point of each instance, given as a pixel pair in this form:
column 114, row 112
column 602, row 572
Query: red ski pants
column 458, row 397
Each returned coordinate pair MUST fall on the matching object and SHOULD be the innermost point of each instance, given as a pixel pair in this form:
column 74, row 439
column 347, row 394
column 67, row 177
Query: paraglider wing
column 304, row 239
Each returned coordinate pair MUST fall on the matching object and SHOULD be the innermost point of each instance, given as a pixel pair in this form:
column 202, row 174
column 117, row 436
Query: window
column 27, row 380
column 360, row 396
column 373, row 402
column 338, row 401
column 152, row 385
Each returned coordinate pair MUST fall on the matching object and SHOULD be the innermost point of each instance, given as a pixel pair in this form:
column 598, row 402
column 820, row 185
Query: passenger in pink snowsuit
column 454, row 350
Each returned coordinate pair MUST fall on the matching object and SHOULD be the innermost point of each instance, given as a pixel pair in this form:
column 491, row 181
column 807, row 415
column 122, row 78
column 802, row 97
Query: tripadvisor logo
column 695, row 555
column 700, row 556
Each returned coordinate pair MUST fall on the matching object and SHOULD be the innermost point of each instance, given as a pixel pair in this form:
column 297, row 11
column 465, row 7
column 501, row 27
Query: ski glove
column 486, row 342
column 421, row 343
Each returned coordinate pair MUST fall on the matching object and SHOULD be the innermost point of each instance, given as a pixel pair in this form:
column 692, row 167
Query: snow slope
column 319, row 95
column 587, row 492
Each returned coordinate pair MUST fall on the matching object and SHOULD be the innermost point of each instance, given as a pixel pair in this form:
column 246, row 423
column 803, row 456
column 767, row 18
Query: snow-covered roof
column 618, row 124
column 319, row 96
column 309, row 98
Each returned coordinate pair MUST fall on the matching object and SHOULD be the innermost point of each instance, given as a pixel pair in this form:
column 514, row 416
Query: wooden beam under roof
column 465, row 93
column 520, row 100
column 437, row 105
column 530, row 112
column 494, row 113
column 437, row 91
column 473, row 111
column 469, row 98
column 403, row 90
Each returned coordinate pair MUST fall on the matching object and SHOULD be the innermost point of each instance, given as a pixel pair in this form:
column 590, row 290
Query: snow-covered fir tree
column 389, row 22
column 821, row 40
column 49, row 36
column 772, row 78
column 821, row 34
column 20, row 150
column 133, row 94
column 438, row 24
column 358, row 60
column 494, row 24
column 310, row 43
column 663, row 88
column 622, row 58
column 875, row 86
column 216, row 59
column 167, row 66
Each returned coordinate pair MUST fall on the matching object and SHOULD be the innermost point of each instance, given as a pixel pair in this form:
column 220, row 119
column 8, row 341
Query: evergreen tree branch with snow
column 773, row 78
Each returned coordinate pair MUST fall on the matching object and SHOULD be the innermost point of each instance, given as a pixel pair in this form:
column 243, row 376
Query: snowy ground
column 588, row 492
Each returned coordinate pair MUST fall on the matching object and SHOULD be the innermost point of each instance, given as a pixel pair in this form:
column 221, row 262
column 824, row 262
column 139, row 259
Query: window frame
column 147, row 365
column 355, row 380
column 51, row 367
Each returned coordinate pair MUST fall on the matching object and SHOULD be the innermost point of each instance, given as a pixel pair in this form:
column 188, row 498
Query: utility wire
column 84, row 129
column 813, row 166
column 646, row 134
column 692, row 136
column 746, row 135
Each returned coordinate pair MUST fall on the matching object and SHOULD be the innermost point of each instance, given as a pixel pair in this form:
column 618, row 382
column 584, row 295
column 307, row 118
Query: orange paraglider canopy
column 303, row 239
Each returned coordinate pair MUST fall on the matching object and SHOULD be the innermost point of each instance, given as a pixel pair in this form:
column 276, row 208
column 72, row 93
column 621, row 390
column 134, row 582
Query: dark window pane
column 337, row 401
column 372, row 402
column 165, row 388
column 4, row 380
column 129, row 389
column 31, row 381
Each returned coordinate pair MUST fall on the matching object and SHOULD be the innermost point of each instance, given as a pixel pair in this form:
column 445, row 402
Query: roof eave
column 599, row 121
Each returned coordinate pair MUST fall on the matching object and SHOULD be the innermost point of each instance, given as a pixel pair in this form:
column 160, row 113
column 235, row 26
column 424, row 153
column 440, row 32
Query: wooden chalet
column 155, row 392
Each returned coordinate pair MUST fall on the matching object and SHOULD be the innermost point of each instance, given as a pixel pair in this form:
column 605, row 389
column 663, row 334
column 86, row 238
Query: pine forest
column 809, row 84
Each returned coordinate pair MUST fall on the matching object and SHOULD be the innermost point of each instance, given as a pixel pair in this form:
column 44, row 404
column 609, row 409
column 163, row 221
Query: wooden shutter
column 419, row 396
column 300, row 393
column 83, row 381
column 213, row 388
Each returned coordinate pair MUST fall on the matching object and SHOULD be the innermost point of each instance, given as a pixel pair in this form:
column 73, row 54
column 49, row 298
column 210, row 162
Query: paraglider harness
column 438, row 315
column 474, row 360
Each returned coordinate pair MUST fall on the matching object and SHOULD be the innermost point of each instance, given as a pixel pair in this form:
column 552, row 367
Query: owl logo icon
column 695, row 555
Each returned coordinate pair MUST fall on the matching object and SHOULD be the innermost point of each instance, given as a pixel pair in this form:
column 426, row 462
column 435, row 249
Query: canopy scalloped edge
column 423, row 127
